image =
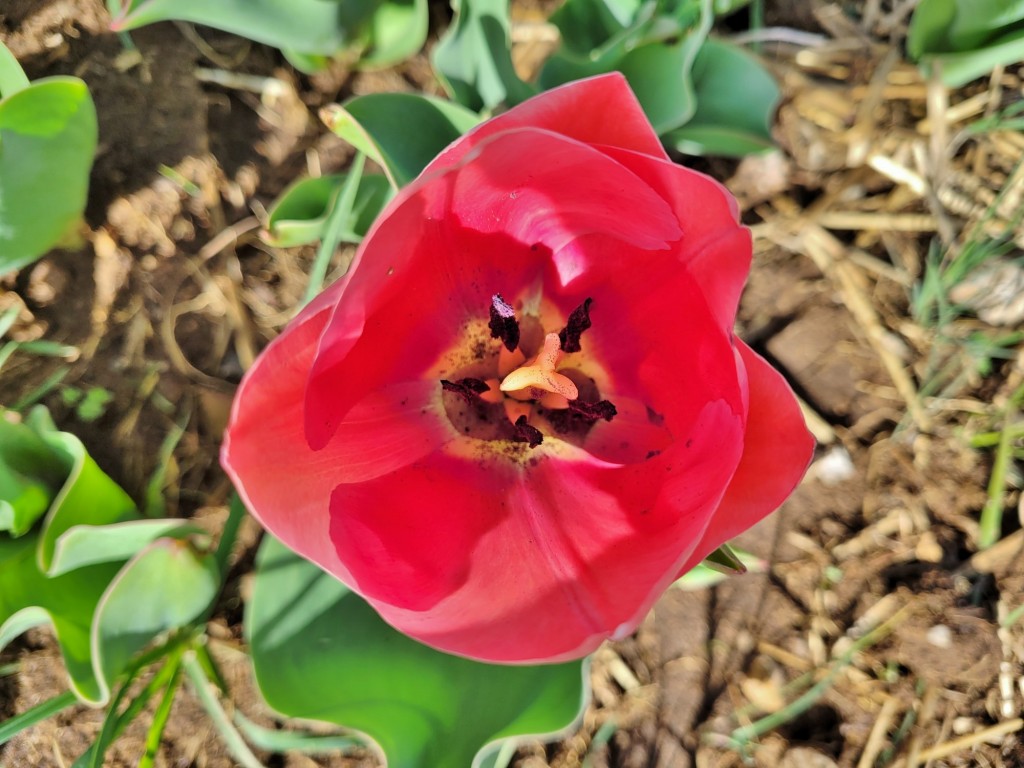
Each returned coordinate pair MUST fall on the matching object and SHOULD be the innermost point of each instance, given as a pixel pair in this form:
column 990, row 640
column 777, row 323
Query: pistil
column 539, row 376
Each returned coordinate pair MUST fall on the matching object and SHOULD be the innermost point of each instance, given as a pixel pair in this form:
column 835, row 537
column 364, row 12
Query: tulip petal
column 714, row 248
column 284, row 483
column 777, row 448
column 600, row 110
column 541, row 562
column 442, row 250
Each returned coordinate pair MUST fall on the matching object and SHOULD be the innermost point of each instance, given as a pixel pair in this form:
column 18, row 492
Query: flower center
column 525, row 390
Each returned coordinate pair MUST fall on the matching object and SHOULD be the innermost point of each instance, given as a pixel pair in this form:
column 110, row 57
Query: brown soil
column 173, row 295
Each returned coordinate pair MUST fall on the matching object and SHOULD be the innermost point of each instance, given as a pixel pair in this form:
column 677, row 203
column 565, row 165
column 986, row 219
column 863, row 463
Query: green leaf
column 310, row 26
column 660, row 76
column 320, row 652
column 960, row 68
column 309, row 32
column 956, row 26
column 30, row 476
column 85, row 545
column 47, row 142
column 474, row 60
column 396, row 31
column 378, row 125
column 282, row 740
column 655, row 50
column 719, row 566
column 12, row 76
column 11, row 728
column 736, row 99
column 88, row 496
column 967, row 38
column 165, row 586
column 299, row 215
column 28, row 598
column 588, row 25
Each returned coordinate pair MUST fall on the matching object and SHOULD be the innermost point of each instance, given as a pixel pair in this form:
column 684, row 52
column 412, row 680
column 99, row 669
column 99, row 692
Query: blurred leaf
column 30, row 476
column 94, row 404
column 311, row 26
column 377, row 125
column 474, row 60
column 660, row 76
column 320, row 652
column 165, row 586
column 960, row 68
column 47, row 142
column 15, row 725
column 654, row 44
column 718, row 567
column 299, row 215
column 736, row 99
column 948, row 26
column 587, row 26
column 12, row 76
column 396, row 31
column 282, row 740
column 968, row 38
column 725, row 7
column 309, row 32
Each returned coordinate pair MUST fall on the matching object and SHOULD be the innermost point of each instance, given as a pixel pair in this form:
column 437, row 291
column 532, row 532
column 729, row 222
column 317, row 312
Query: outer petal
column 533, row 562
column 452, row 241
column 600, row 110
column 714, row 248
column 286, row 485
column 777, row 447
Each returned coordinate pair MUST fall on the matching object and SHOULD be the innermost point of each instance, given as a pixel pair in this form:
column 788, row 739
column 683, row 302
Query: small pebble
column 940, row 636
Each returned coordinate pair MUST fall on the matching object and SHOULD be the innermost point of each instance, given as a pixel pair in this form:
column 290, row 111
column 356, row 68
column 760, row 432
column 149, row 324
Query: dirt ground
column 873, row 637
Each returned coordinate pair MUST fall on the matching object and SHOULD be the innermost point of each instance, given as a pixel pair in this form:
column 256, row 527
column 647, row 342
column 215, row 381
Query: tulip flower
column 523, row 412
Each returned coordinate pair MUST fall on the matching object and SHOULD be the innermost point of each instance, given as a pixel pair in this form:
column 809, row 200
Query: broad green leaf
column 957, row 26
column 968, row 38
column 309, row 32
column 587, row 25
column 311, row 26
column 12, row 76
column 736, row 99
column 397, row 30
column 474, row 59
column 28, row 598
column 165, row 586
column 85, row 545
column 960, row 68
column 655, row 49
column 299, row 215
column 321, row 652
column 378, row 125
column 30, row 476
column 47, row 142
column 725, row 7
column 660, row 76
column 88, row 496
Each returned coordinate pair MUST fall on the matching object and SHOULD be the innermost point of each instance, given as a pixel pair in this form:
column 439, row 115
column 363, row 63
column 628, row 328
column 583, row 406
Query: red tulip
column 523, row 413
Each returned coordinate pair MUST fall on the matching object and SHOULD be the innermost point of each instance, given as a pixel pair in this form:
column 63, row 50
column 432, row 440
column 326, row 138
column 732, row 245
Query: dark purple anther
column 579, row 321
column 503, row 323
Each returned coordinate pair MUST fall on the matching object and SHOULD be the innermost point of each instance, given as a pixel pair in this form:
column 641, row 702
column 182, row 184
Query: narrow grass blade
column 11, row 728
